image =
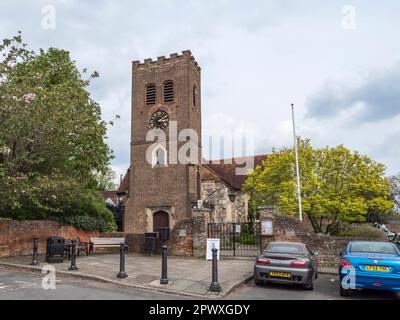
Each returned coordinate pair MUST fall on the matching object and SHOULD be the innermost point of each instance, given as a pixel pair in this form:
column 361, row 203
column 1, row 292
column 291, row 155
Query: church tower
column 165, row 100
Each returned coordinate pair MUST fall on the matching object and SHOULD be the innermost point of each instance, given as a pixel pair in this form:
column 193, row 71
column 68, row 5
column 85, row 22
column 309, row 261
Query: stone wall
column 287, row 228
column 16, row 237
column 223, row 209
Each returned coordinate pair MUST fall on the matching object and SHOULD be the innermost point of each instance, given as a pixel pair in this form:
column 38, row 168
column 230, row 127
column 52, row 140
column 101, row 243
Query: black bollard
column 164, row 268
column 73, row 255
column 122, row 274
column 214, row 287
column 35, row 253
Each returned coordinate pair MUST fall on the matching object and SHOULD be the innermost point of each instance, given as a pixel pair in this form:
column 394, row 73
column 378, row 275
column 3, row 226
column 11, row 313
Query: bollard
column 214, row 287
column 35, row 253
column 73, row 255
column 122, row 274
column 164, row 277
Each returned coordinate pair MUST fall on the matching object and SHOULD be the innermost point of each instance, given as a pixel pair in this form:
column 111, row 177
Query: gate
column 237, row 239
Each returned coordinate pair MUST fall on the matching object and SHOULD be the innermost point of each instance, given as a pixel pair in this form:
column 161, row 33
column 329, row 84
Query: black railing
column 237, row 239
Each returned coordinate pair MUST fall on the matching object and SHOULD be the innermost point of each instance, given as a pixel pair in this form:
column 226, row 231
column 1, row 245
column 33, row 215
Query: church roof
column 123, row 187
column 226, row 169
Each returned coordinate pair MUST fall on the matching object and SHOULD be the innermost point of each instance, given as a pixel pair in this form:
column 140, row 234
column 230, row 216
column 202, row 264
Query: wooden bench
column 104, row 243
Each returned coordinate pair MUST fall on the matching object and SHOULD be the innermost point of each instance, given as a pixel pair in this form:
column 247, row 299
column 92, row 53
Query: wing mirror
column 315, row 253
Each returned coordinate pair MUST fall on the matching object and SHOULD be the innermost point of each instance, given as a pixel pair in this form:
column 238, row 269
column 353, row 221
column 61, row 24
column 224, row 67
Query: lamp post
column 231, row 195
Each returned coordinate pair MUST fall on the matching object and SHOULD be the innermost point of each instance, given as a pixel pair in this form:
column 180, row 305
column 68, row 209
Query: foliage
column 395, row 183
column 106, row 180
column 52, row 147
column 86, row 223
column 336, row 185
column 246, row 238
column 360, row 230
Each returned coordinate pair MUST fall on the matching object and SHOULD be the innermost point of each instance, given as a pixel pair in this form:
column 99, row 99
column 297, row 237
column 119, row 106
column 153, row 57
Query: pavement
column 187, row 276
column 27, row 285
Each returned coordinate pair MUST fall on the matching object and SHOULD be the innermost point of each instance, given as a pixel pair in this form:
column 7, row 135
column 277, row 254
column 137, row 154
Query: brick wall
column 187, row 238
column 16, row 237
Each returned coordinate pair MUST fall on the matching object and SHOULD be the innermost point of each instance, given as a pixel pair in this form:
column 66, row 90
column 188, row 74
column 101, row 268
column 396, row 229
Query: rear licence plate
column 276, row 274
column 377, row 268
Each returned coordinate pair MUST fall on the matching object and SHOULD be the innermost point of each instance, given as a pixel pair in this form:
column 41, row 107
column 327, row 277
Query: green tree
column 337, row 185
column 52, row 136
column 395, row 183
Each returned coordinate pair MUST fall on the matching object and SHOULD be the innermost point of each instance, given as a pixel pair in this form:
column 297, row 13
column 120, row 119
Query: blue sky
column 257, row 57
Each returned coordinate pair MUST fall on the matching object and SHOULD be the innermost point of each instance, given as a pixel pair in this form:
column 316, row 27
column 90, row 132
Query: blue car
column 369, row 265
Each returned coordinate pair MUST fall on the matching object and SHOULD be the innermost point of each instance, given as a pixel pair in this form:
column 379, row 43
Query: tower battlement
column 163, row 61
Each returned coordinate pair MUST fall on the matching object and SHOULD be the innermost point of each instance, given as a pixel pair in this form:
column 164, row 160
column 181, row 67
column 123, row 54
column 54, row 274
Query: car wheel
column 309, row 286
column 345, row 292
column 258, row 282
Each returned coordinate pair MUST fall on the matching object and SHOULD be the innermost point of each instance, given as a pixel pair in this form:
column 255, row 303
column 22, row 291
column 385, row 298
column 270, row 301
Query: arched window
column 194, row 95
column 150, row 94
column 159, row 157
column 169, row 91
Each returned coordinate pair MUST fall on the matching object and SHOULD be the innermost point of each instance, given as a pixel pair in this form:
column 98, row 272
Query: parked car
column 374, row 264
column 287, row 262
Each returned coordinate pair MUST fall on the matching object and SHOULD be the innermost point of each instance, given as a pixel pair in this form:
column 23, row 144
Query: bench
column 104, row 243
column 79, row 245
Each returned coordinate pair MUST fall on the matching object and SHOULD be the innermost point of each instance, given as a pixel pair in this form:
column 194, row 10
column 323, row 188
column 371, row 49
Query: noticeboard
column 267, row 227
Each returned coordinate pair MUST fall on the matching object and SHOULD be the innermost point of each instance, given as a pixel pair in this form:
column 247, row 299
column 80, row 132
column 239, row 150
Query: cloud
column 376, row 98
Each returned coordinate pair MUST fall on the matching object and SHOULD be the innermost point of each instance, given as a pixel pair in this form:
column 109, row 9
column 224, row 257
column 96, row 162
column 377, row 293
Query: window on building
column 168, row 91
column 159, row 157
column 194, row 95
column 150, row 94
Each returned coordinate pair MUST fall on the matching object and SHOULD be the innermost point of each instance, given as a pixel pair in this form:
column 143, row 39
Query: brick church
column 159, row 192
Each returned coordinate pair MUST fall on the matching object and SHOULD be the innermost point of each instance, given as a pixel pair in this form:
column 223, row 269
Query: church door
column 160, row 220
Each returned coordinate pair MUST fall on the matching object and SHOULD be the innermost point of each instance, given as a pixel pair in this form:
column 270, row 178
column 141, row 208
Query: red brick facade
column 171, row 188
column 16, row 237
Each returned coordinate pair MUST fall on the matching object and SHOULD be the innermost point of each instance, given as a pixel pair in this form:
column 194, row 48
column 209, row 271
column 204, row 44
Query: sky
column 338, row 62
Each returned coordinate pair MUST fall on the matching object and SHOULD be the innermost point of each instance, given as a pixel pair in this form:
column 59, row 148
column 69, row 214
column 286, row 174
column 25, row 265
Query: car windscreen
column 284, row 248
column 373, row 247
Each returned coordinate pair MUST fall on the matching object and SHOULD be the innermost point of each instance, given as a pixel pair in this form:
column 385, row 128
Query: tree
column 395, row 183
column 106, row 180
column 337, row 185
column 51, row 133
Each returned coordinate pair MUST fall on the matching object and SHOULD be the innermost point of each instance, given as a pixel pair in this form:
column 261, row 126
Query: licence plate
column 377, row 268
column 276, row 274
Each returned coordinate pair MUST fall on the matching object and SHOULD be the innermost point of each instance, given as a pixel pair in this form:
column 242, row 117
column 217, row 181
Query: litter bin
column 150, row 242
column 163, row 234
column 55, row 250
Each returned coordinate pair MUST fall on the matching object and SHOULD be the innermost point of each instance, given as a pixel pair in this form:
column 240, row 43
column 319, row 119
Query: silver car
column 287, row 262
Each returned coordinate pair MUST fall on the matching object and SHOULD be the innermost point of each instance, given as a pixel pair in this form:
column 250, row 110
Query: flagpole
column 297, row 165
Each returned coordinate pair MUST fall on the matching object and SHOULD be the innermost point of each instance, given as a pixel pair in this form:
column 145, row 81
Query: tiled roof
column 216, row 169
column 226, row 169
column 123, row 187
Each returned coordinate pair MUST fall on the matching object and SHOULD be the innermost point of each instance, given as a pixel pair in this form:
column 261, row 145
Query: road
column 326, row 287
column 25, row 285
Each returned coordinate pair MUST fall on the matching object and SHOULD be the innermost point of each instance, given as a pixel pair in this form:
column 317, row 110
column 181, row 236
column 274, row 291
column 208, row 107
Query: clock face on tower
column 159, row 120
